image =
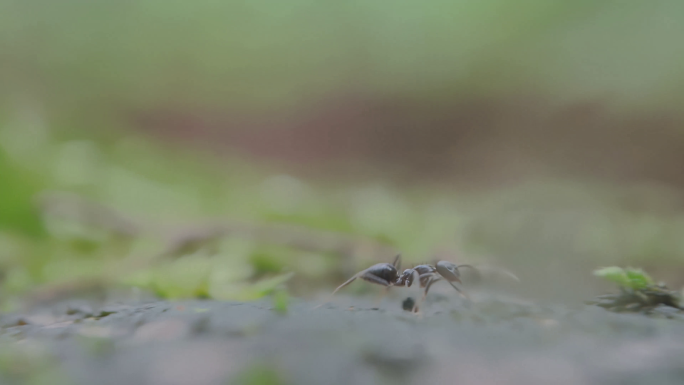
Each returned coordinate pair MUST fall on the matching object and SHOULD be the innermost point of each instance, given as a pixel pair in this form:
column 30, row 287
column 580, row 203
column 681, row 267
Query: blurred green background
column 212, row 148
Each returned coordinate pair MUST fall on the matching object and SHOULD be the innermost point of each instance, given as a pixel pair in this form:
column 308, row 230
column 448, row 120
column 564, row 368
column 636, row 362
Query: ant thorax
column 425, row 269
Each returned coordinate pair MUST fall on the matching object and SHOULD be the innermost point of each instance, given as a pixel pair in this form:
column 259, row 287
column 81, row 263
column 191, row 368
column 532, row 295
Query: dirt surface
column 492, row 340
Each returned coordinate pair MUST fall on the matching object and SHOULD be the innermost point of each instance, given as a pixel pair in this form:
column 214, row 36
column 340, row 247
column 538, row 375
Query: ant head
column 449, row 271
column 406, row 278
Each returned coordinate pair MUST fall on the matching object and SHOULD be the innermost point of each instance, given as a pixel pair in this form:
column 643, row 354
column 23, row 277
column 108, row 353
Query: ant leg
column 423, row 276
column 350, row 280
column 433, row 279
column 413, row 277
column 460, row 292
column 379, row 281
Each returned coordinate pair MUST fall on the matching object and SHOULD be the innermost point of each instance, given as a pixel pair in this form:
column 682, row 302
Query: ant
column 429, row 275
column 387, row 275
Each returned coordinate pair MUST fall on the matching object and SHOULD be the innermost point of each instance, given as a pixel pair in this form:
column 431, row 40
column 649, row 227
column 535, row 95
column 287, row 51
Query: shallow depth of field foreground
column 493, row 191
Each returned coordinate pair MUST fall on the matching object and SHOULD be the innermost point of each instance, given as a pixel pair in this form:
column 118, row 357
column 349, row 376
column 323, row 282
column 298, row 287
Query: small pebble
column 408, row 304
column 83, row 311
column 11, row 321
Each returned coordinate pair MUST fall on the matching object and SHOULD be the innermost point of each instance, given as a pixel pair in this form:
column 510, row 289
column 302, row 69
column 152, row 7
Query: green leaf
column 638, row 278
column 613, row 274
column 629, row 278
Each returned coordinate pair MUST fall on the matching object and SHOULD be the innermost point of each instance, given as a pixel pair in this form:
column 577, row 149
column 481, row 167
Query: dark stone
column 408, row 304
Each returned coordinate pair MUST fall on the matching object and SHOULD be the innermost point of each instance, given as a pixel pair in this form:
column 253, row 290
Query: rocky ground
column 348, row 341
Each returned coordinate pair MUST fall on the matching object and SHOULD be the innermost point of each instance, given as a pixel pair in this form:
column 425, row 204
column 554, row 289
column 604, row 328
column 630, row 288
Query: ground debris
column 648, row 300
column 9, row 321
column 408, row 304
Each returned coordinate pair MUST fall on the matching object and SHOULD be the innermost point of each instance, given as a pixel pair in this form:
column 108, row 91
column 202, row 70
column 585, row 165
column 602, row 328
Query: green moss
column 259, row 374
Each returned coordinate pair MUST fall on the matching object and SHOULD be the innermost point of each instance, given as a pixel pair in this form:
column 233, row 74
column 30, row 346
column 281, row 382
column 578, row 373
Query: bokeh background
column 221, row 148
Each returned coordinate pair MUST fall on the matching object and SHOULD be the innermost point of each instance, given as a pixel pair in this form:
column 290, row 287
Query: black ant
column 387, row 275
column 429, row 275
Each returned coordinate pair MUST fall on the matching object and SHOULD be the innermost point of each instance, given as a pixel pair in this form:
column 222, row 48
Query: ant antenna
column 397, row 262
